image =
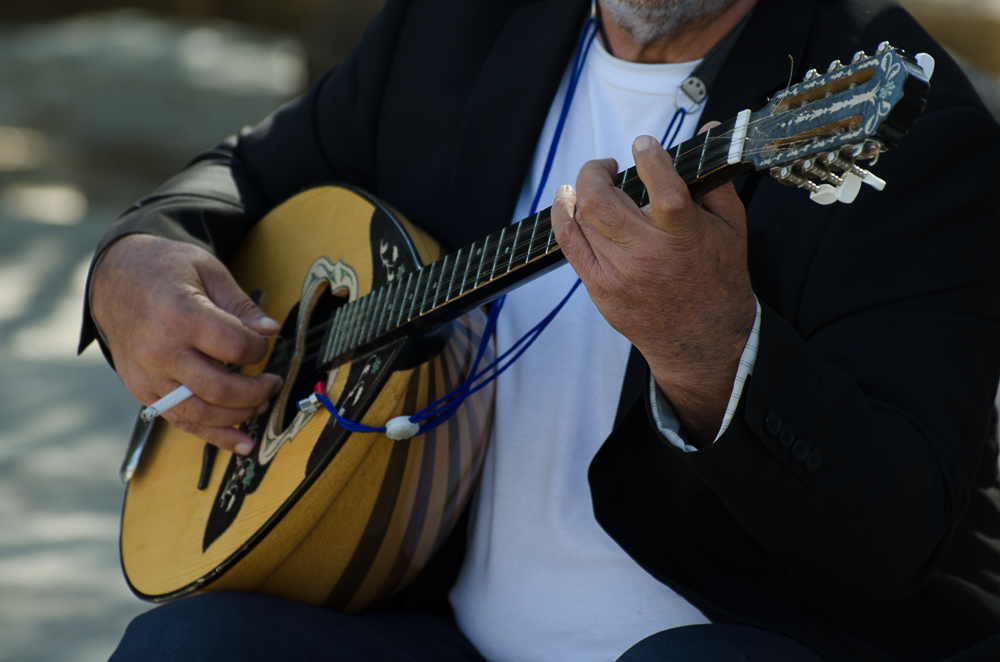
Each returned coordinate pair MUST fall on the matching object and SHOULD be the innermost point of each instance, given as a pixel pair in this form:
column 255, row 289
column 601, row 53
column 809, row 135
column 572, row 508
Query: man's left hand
column 671, row 277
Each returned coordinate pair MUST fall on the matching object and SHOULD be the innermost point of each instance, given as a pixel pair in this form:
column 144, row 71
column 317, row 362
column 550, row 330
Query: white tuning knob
column 926, row 63
column 874, row 181
column 826, row 195
column 848, row 191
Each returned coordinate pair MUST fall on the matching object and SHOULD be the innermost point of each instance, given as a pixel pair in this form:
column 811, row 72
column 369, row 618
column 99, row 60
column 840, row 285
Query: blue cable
column 680, row 114
column 442, row 409
column 574, row 78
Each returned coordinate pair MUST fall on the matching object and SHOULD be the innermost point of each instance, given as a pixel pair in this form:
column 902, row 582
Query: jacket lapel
column 505, row 114
column 759, row 63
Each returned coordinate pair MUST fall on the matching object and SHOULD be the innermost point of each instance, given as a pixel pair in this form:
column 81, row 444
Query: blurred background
column 99, row 103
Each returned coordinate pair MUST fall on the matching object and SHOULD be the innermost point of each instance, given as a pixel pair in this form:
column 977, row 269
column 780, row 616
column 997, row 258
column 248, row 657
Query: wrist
column 697, row 377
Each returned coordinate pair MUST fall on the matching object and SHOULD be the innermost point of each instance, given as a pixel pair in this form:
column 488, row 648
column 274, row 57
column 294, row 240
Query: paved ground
column 93, row 113
column 65, row 421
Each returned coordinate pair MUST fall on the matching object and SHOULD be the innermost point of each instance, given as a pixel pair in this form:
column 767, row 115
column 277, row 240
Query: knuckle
column 669, row 204
column 590, row 203
column 239, row 345
column 214, row 392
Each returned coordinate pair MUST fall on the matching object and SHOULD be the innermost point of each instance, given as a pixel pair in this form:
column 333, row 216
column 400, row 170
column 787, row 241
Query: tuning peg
column 812, row 73
column 868, row 150
column 786, row 175
column 860, row 55
column 832, row 159
column 809, row 166
column 872, row 180
column 883, row 47
column 848, row 191
column 836, row 64
column 824, row 195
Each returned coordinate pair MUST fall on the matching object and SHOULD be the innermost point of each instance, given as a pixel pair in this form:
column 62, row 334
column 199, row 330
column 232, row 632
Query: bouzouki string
column 703, row 76
column 441, row 410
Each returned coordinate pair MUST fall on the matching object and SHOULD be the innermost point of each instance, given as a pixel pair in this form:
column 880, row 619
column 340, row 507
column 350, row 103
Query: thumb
column 222, row 289
column 670, row 205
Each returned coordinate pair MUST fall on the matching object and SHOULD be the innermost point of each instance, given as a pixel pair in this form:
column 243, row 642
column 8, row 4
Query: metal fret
column 686, row 153
column 386, row 312
column 456, row 263
column 334, row 334
column 518, row 240
column 505, row 252
column 348, row 326
column 374, row 315
column 469, row 259
column 534, row 232
column 442, row 277
column 417, row 299
column 551, row 243
column 427, row 300
column 702, row 154
column 358, row 331
column 403, row 307
column 481, row 253
column 392, row 321
column 496, row 254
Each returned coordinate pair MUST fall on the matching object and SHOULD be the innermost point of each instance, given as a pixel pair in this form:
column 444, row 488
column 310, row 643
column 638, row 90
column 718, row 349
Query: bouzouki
column 381, row 320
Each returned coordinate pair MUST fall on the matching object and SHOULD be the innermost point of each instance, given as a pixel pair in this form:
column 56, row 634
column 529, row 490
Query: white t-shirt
column 541, row 579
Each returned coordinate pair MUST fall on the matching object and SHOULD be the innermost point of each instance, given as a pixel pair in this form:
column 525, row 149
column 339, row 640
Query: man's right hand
column 172, row 314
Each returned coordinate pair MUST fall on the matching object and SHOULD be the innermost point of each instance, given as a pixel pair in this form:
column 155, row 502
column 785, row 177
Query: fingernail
column 268, row 325
column 244, row 448
column 565, row 189
column 277, row 386
column 262, row 409
column 642, row 143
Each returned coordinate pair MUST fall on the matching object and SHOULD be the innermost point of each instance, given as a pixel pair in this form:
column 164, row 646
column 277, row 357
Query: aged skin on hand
column 172, row 314
column 672, row 277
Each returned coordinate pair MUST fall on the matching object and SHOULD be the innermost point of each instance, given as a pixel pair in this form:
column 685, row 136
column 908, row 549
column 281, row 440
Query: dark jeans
column 246, row 627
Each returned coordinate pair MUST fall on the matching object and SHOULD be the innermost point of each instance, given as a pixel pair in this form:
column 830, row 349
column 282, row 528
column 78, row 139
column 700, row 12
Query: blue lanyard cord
column 678, row 118
column 582, row 49
column 442, row 409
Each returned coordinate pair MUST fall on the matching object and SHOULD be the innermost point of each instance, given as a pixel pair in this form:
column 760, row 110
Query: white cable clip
column 401, row 427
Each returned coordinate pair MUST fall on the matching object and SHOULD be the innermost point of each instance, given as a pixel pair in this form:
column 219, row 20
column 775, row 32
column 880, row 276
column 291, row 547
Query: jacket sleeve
column 328, row 134
column 865, row 418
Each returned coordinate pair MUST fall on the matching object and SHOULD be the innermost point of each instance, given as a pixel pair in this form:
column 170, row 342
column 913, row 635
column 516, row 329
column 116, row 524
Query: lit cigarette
column 167, row 402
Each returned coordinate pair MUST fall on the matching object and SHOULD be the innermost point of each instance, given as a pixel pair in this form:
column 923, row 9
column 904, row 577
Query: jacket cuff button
column 772, row 423
column 787, row 436
column 813, row 461
column 800, row 450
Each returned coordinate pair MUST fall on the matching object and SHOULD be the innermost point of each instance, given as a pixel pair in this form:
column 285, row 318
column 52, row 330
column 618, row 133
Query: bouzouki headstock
column 812, row 134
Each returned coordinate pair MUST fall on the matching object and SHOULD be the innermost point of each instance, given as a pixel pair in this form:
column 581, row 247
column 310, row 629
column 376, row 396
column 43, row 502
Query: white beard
column 650, row 20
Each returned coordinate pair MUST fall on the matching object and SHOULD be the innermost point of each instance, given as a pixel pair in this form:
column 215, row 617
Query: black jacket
column 879, row 343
